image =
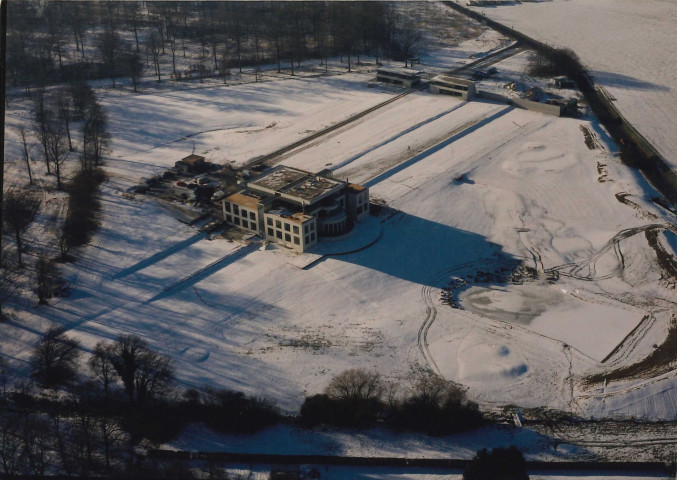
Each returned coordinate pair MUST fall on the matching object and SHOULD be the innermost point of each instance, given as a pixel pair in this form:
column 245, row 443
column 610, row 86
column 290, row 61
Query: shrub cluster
column 82, row 218
column 354, row 398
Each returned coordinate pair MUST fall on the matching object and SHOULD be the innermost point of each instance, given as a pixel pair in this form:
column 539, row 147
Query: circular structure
column 332, row 220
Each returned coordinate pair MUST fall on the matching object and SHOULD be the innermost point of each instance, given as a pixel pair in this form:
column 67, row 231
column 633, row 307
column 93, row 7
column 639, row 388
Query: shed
column 564, row 82
column 192, row 163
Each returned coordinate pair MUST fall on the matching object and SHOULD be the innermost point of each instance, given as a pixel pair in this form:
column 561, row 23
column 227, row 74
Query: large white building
column 295, row 208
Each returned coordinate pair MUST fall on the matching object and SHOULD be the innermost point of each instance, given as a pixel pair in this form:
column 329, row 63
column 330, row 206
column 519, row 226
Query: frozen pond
column 517, row 305
column 589, row 323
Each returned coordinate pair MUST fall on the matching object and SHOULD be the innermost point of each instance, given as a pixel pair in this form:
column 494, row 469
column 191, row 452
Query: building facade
column 403, row 77
column 456, row 87
column 294, row 208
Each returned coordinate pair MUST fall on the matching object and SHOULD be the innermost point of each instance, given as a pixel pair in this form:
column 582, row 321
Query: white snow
column 626, row 45
column 474, row 187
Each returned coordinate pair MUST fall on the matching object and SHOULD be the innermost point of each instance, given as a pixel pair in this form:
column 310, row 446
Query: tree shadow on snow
column 617, row 80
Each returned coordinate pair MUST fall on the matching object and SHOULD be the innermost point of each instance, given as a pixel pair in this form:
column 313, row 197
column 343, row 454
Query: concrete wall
column 494, row 97
column 546, row 108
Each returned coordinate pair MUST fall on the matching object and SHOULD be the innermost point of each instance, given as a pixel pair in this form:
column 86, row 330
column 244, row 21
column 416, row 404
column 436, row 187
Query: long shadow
column 203, row 273
column 618, row 80
column 428, row 253
column 396, row 136
column 159, row 256
column 436, row 148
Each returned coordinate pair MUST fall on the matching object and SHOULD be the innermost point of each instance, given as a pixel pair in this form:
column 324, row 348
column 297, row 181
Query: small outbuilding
column 191, row 164
column 564, row 82
column 456, row 87
column 403, row 77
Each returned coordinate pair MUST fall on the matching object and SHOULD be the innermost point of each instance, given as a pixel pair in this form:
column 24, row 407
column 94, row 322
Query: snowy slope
column 626, row 45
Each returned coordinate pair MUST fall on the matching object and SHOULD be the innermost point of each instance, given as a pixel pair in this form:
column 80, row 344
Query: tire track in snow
column 453, row 136
column 431, row 314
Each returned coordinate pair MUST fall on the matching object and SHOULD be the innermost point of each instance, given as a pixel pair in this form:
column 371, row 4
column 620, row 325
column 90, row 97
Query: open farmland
column 626, row 47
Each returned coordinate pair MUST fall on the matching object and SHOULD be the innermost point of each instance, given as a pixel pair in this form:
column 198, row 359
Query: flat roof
column 356, row 187
column 454, row 80
column 296, row 217
column 192, row 158
column 243, row 200
column 398, row 71
column 293, row 182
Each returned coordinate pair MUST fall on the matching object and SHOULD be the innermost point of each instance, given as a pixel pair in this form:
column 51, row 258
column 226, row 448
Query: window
column 252, row 216
column 305, row 228
column 296, row 229
column 278, row 234
column 245, row 224
column 312, row 227
column 278, row 224
column 237, row 220
column 312, row 237
column 271, row 232
column 227, row 207
column 269, row 221
column 229, row 219
column 236, row 210
column 287, row 227
column 243, row 213
column 297, row 241
column 307, row 239
column 287, row 237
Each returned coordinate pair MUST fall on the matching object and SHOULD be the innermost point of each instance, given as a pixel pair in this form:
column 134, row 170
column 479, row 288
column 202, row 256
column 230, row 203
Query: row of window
column 236, row 210
column 288, row 238
column 242, row 222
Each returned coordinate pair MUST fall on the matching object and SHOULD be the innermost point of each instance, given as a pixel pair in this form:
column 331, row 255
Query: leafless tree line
column 228, row 35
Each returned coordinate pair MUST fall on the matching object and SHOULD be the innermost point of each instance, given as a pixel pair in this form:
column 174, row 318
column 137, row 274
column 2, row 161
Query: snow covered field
column 477, row 189
column 530, row 194
column 626, row 45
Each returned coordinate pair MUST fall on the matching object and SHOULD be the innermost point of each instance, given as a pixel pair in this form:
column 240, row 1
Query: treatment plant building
column 294, row 208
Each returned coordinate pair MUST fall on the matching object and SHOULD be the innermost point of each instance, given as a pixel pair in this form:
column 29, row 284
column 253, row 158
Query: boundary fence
column 272, row 459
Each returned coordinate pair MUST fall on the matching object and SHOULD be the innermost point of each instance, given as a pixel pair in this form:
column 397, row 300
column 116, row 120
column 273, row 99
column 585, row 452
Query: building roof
column 243, row 200
column 192, row 159
column 295, row 217
column 356, row 187
column 452, row 80
column 408, row 72
column 295, row 184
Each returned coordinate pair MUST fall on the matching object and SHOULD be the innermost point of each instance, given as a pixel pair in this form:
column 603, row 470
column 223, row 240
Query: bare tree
column 110, row 45
column 63, row 104
column 57, row 150
column 26, row 149
column 144, row 372
column 101, row 365
column 54, row 360
column 7, row 288
column 47, row 279
column 41, row 123
column 355, row 384
column 10, row 445
column 18, row 212
column 153, row 49
column 95, row 137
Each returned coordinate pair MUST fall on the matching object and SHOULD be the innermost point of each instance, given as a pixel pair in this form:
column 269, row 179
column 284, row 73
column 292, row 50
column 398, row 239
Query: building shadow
column 422, row 251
